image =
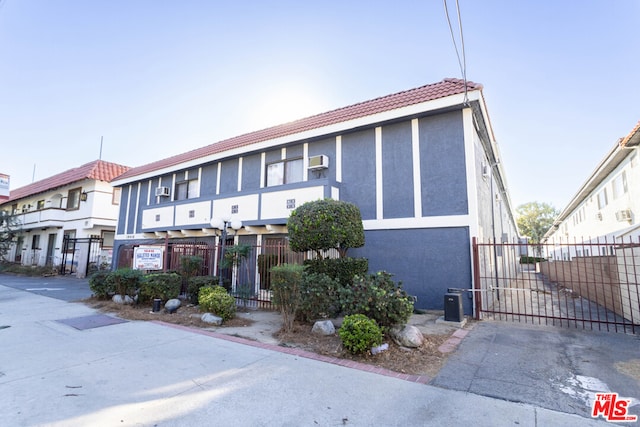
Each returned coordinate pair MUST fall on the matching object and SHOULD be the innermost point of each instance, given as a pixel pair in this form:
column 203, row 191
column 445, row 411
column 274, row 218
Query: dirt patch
column 425, row 360
column 187, row 315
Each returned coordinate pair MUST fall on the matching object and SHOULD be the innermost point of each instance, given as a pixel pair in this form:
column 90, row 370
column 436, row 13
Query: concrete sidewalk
column 148, row 374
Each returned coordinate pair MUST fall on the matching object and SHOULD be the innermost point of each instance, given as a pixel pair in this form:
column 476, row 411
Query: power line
column 462, row 62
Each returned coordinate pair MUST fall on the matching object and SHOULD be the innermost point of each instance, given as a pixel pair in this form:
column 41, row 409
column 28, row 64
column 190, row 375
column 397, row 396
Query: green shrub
column 359, row 333
column 319, row 295
column 190, row 265
column 531, row 259
column 125, row 281
column 285, row 285
column 164, row 286
column 379, row 298
column 341, row 269
column 100, row 286
column 197, row 282
column 325, row 224
column 216, row 300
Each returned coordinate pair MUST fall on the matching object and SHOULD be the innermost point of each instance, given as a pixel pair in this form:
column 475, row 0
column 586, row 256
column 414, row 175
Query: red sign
column 612, row 408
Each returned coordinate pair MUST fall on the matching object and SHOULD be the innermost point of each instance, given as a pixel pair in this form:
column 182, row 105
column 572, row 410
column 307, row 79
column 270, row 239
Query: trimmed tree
column 325, row 224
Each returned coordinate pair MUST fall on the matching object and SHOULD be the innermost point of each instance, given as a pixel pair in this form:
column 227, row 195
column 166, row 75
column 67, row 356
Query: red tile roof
column 633, row 138
column 446, row 87
column 97, row 170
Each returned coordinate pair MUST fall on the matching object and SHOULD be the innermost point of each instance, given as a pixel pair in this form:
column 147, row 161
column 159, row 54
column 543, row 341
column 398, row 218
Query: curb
column 421, row 379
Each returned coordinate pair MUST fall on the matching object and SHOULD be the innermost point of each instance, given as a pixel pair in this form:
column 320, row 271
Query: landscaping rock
column 173, row 305
column 409, row 336
column 211, row 318
column 337, row 322
column 118, row 299
column 323, row 327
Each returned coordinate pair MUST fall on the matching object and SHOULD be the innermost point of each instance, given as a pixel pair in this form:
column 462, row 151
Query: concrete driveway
column 551, row 367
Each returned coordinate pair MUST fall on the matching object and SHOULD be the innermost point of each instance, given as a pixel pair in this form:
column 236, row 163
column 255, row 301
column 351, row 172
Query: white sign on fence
column 148, row 258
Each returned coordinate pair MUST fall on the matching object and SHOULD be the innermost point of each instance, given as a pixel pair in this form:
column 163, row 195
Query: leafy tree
column 325, row 224
column 534, row 219
column 10, row 227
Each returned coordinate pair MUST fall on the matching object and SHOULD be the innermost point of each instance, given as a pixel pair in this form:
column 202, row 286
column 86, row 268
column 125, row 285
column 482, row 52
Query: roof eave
column 423, row 107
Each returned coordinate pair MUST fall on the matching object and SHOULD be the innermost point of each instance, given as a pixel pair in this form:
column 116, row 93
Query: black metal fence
column 243, row 268
column 80, row 255
column 588, row 285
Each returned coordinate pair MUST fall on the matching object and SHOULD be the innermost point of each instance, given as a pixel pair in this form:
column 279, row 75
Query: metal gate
column 80, row 255
column 589, row 285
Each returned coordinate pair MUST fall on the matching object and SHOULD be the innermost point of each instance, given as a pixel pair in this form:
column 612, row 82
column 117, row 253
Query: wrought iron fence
column 591, row 285
column 243, row 269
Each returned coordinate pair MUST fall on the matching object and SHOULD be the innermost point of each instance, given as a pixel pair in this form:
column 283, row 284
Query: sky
column 135, row 81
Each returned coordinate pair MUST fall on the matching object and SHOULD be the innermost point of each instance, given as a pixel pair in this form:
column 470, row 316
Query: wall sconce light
column 83, row 196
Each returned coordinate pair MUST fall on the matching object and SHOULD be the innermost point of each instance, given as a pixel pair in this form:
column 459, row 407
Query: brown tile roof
column 97, row 170
column 446, row 87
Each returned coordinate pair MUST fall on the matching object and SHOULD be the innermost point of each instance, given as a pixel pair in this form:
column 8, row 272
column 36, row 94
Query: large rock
column 211, row 318
column 172, row 305
column 323, row 327
column 118, row 299
column 408, row 336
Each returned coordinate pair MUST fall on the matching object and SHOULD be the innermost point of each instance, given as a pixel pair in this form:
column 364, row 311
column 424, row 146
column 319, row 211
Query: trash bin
column 453, row 311
column 156, row 305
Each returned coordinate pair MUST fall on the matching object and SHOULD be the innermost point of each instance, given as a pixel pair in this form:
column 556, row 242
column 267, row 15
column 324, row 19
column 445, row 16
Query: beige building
column 606, row 208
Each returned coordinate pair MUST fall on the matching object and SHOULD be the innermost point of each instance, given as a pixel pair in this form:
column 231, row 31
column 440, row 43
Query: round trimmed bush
column 359, row 333
column 216, row 300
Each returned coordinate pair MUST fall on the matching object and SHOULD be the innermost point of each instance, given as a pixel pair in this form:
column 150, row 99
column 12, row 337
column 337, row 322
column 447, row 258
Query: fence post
column 477, row 296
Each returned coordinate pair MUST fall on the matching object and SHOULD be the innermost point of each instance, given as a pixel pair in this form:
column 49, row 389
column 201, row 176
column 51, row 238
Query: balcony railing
column 50, row 217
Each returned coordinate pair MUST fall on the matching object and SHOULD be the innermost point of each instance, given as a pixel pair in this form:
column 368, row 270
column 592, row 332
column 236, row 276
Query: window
column 602, row 199
column 40, row 204
column 14, row 209
column 73, row 199
column 108, row 238
column 619, row 185
column 187, row 189
column 284, row 172
column 115, row 196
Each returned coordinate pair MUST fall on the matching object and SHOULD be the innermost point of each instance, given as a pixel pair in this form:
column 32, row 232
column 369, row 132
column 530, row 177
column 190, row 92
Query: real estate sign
column 148, row 257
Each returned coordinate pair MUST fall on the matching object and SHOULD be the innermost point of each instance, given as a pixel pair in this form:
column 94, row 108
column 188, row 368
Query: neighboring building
column 422, row 165
column 605, row 208
column 67, row 219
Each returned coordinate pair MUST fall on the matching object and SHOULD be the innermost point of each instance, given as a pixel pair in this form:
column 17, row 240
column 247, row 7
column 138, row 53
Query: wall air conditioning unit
column 485, row 171
column 162, row 191
column 624, row 215
column 318, row 162
column 599, row 216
